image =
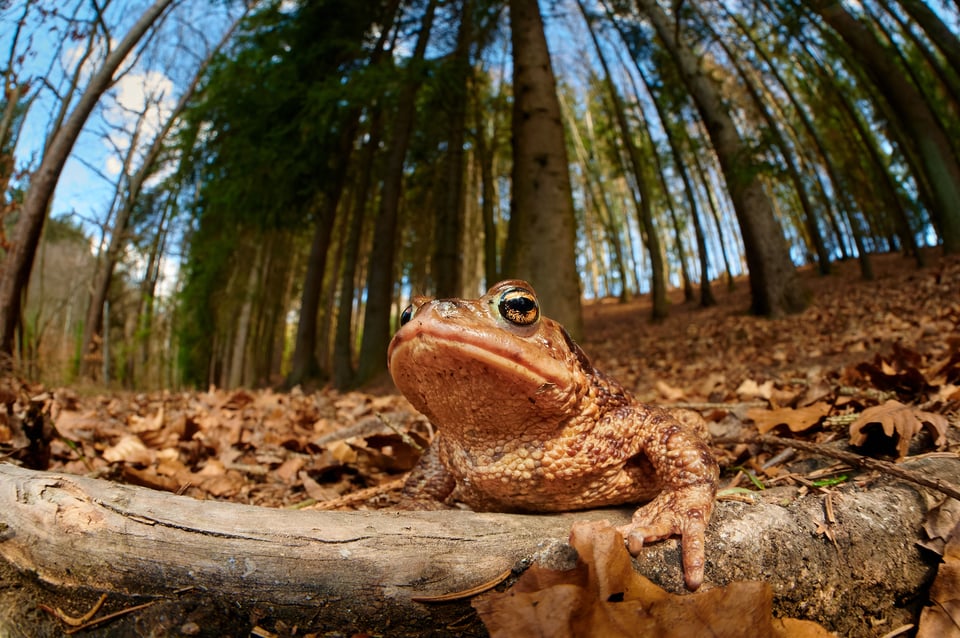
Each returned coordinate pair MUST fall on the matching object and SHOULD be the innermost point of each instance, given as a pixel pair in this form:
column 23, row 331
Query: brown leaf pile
column 259, row 447
column 604, row 596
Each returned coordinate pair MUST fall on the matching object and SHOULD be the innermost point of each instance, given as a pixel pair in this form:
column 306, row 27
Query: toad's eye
column 519, row 306
column 406, row 315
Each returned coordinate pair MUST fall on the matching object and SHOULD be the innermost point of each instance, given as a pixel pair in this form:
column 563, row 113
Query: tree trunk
column 327, row 571
column 706, row 292
column 343, row 343
column 810, row 222
column 448, row 231
column 774, row 287
column 542, row 234
column 935, row 28
column 913, row 113
column 380, row 278
column 16, row 267
column 658, row 281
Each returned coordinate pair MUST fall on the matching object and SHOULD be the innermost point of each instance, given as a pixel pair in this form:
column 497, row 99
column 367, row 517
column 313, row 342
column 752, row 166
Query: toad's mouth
column 442, row 345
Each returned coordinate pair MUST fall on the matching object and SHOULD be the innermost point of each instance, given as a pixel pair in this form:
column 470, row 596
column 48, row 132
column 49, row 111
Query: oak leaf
column 902, row 421
column 604, row 596
column 797, row 419
column 942, row 618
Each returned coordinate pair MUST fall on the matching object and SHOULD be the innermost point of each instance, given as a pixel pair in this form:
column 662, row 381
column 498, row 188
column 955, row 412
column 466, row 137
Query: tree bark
column 914, row 114
column 448, row 232
column 658, row 280
column 542, row 232
column 16, row 267
column 329, row 570
column 380, row 279
column 774, row 287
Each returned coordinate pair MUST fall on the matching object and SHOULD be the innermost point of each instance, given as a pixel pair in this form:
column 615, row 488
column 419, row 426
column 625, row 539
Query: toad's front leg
column 688, row 474
column 429, row 484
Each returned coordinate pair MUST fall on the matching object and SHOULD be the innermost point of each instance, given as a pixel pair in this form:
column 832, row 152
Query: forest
column 306, row 167
column 222, row 218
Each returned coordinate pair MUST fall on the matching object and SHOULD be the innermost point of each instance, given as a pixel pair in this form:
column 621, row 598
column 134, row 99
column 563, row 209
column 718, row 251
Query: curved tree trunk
column 774, row 287
column 16, row 267
column 658, row 279
column 325, row 571
column 914, row 114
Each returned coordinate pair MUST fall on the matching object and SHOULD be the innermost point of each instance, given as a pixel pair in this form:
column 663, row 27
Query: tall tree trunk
column 380, row 278
column 935, row 28
column 658, row 280
column 304, row 365
column 914, row 114
column 542, row 241
column 884, row 180
column 774, row 287
column 16, row 267
column 448, row 231
column 706, row 292
column 343, row 342
column 810, row 222
column 714, row 214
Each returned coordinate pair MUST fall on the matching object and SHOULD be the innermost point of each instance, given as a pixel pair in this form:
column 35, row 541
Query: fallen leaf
column 941, row 619
column 904, row 421
column 669, row 392
column 939, row 524
column 797, row 419
column 604, row 596
column 750, row 389
column 129, row 449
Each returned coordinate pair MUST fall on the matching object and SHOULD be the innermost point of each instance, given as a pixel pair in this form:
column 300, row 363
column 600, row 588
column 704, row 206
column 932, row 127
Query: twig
column 713, row 405
column 75, row 621
column 466, row 593
column 360, row 496
column 103, row 619
column 857, row 460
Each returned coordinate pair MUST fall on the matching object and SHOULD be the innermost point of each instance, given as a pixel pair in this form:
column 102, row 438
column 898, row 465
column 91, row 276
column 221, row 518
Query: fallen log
column 856, row 571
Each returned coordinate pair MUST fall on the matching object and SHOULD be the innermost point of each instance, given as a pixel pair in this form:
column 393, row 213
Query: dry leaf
column 342, row 452
column 604, row 596
column 750, row 389
column 797, row 419
column 942, row 618
column 669, row 392
column 939, row 524
column 904, row 421
column 129, row 449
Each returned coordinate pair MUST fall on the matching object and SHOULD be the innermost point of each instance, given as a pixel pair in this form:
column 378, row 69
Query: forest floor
column 876, row 353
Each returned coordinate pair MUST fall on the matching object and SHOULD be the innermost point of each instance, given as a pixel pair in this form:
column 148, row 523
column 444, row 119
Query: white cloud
column 151, row 94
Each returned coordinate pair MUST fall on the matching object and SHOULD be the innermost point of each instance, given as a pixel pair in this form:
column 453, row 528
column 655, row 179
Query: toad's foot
column 680, row 512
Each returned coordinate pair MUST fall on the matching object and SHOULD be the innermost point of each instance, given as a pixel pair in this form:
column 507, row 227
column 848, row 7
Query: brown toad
column 526, row 424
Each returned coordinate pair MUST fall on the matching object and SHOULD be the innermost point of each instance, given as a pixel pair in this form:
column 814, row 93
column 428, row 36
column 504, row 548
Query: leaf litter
column 875, row 364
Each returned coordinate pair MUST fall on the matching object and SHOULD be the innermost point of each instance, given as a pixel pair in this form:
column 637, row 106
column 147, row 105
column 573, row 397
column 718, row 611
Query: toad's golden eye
column 519, row 306
column 406, row 315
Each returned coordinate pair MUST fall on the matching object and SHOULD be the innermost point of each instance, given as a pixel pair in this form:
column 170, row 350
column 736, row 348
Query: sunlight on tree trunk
column 774, row 287
column 380, row 280
column 541, row 245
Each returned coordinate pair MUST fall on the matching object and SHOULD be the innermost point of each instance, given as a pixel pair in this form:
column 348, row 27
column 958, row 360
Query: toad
column 526, row 424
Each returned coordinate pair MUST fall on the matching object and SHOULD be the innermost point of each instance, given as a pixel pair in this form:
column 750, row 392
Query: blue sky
column 47, row 58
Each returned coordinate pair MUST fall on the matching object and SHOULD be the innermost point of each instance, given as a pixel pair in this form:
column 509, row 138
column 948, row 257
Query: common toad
column 526, row 424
